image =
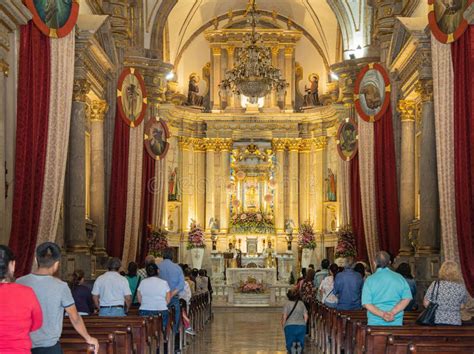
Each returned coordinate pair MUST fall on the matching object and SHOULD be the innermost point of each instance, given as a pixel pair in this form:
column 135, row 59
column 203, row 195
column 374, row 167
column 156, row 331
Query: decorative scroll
column 446, row 19
column 131, row 97
column 55, row 19
column 372, row 92
column 156, row 138
column 347, row 140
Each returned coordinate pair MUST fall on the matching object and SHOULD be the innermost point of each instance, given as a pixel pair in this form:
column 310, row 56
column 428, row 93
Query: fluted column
column 319, row 144
column 274, row 94
column 225, row 145
column 98, row 109
column 429, row 237
column 210, row 181
column 279, row 195
column 293, row 168
column 230, row 65
column 200, row 184
column 407, row 111
column 289, row 78
column 216, row 75
column 186, row 184
column 304, row 180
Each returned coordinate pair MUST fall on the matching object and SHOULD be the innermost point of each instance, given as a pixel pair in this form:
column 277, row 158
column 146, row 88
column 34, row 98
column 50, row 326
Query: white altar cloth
column 265, row 275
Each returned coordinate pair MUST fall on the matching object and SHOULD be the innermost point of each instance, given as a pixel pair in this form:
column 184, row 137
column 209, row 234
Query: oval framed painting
column 156, row 138
column 54, row 18
column 347, row 139
column 372, row 92
column 446, row 19
column 131, row 97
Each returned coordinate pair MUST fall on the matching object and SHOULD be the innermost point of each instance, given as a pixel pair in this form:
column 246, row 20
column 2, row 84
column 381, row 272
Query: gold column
column 304, row 180
column 225, row 145
column 274, row 94
column 199, row 148
column 279, row 148
column 319, row 144
column 289, row 78
column 210, row 181
column 216, row 70
column 293, row 146
column 98, row 108
column 186, row 184
column 230, row 64
column 407, row 111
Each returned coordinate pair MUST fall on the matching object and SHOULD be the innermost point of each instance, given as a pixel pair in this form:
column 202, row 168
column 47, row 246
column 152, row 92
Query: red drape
column 31, row 141
column 386, row 190
column 148, row 193
column 118, row 188
column 463, row 62
column 356, row 211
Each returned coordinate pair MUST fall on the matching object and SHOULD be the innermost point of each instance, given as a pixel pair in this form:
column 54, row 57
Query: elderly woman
column 449, row 293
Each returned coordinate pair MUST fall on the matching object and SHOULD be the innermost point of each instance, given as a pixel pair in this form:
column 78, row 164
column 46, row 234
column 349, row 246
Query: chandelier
column 253, row 75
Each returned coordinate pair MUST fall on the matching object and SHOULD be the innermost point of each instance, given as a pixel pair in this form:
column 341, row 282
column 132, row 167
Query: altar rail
column 277, row 293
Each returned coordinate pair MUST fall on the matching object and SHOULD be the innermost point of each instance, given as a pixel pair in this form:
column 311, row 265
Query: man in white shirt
column 111, row 291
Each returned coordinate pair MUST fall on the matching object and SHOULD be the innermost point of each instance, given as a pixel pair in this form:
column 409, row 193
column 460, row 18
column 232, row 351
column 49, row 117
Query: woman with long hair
column 326, row 289
column 21, row 312
column 81, row 293
column 133, row 280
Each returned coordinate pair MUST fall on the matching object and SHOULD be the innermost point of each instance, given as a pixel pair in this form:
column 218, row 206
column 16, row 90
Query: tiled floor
column 241, row 331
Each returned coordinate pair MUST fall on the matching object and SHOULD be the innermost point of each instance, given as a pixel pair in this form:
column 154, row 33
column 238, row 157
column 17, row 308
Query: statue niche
column 194, row 99
column 311, row 97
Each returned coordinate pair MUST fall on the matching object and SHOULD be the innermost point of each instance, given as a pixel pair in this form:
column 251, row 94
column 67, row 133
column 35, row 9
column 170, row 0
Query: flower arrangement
column 251, row 286
column 195, row 236
column 157, row 241
column 252, row 222
column 306, row 237
column 345, row 244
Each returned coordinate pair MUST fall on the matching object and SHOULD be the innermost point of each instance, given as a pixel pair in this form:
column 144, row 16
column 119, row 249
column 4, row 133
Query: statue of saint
column 289, row 224
column 172, row 190
column 232, row 263
column 331, row 186
column 269, row 256
column 194, row 99
column 214, row 226
column 311, row 98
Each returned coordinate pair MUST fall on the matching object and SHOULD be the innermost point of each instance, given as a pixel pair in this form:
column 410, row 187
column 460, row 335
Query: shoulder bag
column 292, row 310
column 427, row 317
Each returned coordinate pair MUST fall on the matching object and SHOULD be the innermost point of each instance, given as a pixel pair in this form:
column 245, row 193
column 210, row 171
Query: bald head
column 382, row 259
column 149, row 260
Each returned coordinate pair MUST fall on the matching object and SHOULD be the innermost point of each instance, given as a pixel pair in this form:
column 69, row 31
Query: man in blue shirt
column 173, row 274
column 348, row 288
column 385, row 294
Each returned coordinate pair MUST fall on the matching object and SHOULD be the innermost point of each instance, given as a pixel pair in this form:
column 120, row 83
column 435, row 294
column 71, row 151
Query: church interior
column 252, row 137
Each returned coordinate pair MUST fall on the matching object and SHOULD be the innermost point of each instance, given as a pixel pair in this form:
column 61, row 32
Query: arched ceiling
column 314, row 16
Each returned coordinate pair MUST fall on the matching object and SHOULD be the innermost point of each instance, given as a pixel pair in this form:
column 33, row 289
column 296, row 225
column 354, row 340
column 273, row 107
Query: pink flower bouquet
column 195, row 237
column 306, row 238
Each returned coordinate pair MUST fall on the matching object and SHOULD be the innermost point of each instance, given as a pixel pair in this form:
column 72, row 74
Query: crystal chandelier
column 253, row 75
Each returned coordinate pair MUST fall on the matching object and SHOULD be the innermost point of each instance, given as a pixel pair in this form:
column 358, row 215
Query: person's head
column 348, row 262
column 7, row 264
column 202, row 273
column 231, row 245
column 334, row 269
column 48, row 255
column 77, row 278
column 114, row 264
column 340, row 269
column 132, row 269
column 310, row 275
column 382, row 259
column 360, row 268
column 325, row 263
column 311, row 266
column 405, row 270
column 450, row 271
column 150, row 259
column 292, row 294
column 151, row 270
column 195, row 272
column 168, row 254
column 188, row 272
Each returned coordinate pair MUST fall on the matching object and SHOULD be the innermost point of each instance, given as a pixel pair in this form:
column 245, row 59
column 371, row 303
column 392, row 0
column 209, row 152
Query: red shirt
column 20, row 314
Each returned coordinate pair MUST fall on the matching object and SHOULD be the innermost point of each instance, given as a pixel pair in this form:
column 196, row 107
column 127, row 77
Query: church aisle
column 242, row 331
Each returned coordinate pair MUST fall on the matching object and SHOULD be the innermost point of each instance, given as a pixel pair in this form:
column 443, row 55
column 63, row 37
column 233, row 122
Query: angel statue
column 214, row 225
column 289, row 225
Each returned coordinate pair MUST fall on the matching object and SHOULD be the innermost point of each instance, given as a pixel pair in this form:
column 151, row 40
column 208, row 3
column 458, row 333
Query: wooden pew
column 442, row 348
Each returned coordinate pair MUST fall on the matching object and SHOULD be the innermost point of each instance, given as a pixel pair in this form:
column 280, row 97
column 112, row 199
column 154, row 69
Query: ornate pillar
column 407, row 111
column 293, row 146
column 304, row 180
column 210, row 182
column 230, row 64
column 186, row 184
column 200, row 185
column 279, row 149
column 319, row 144
column 225, row 145
column 216, row 78
column 274, row 94
column 429, row 237
column 289, row 78
column 98, row 109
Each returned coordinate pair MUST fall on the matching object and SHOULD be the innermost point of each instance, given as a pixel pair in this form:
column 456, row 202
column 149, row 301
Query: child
column 293, row 321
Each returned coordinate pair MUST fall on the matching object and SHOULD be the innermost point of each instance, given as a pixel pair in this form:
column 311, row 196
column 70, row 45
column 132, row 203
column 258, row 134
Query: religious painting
column 54, row 18
column 173, row 184
column 131, row 97
column 372, row 92
column 331, row 186
column 347, row 140
column 446, row 19
column 156, row 138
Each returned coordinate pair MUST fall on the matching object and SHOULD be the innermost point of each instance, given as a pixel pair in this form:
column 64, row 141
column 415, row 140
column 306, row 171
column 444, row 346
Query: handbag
column 427, row 317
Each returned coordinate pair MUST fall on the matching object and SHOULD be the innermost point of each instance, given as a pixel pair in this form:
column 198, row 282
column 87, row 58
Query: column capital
column 320, row 142
column 80, row 89
column 289, row 51
column 407, row 110
column 230, row 49
column 199, row 144
column 279, row 144
column 425, row 90
column 185, row 142
column 98, row 108
column 210, row 144
column 275, row 50
column 224, row 144
column 294, row 144
column 216, row 51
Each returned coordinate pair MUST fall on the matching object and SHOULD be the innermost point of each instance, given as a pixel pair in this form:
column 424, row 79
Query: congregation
column 34, row 306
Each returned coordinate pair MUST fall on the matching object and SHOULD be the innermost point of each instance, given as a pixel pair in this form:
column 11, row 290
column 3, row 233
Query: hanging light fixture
column 253, row 75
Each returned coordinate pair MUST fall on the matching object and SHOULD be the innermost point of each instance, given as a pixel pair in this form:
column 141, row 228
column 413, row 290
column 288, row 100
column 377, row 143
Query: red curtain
column 386, row 189
column 463, row 62
column 148, row 193
column 31, row 141
column 118, row 188
column 356, row 210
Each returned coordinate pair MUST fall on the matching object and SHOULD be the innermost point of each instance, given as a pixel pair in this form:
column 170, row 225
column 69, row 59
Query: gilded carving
column 279, row 144
column 425, row 90
column 80, row 89
column 216, row 51
column 4, row 67
column 98, row 108
column 224, row 144
column 407, row 110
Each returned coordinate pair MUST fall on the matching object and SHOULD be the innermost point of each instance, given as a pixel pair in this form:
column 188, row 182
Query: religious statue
column 213, row 226
column 269, row 256
column 289, row 225
column 331, row 193
column 311, row 98
column 172, row 185
column 232, row 263
column 194, row 99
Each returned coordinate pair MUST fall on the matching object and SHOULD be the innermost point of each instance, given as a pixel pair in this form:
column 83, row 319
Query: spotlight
column 169, row 76
column 334, row 76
